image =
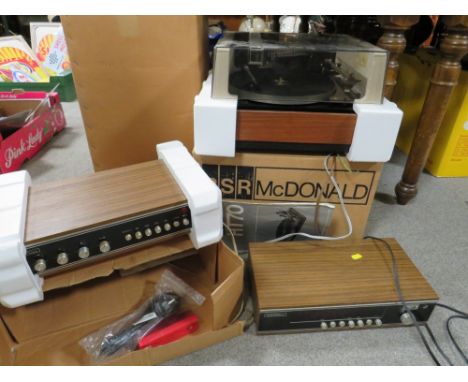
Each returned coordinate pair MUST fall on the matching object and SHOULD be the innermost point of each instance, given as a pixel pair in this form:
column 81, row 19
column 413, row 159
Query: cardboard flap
column 205, row 264
column 155, row 98
column 229, row 290
column 7, row 345
column 10, row 107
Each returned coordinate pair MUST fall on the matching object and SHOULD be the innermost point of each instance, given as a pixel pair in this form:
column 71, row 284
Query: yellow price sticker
column 356, row 256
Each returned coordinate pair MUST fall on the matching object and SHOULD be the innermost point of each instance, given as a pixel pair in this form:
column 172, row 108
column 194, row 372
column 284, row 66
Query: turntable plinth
column 295, row 127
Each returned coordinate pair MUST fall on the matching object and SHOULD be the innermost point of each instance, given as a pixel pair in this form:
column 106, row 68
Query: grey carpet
column 433, row 229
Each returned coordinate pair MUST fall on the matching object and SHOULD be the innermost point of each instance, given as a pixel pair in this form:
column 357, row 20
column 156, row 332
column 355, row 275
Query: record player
column 298, row 93
column 298, row 68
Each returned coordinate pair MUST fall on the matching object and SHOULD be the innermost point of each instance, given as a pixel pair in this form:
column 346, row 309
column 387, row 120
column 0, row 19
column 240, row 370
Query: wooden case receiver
column 345, row 272
column 57, row 211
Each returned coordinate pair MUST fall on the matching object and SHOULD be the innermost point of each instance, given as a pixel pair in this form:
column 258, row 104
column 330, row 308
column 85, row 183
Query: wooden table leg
column 444, row 79
column 394, row 41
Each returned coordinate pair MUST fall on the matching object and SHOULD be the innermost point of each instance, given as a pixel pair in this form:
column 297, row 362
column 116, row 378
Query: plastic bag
column 171, row 296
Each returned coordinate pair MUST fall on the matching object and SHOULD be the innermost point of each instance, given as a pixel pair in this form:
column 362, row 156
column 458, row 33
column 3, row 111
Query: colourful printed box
column 20, row 144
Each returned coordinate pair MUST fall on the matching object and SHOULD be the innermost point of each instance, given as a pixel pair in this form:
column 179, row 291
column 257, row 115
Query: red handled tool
column 170, row 331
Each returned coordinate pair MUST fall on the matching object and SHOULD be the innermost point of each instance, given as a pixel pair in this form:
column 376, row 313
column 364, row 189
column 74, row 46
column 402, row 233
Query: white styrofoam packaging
column 214, row 122
column 203, row 196
column 18, row 285
column 375, row 133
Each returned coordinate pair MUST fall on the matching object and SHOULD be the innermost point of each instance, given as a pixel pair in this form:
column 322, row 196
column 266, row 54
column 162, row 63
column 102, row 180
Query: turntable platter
column 266, row 86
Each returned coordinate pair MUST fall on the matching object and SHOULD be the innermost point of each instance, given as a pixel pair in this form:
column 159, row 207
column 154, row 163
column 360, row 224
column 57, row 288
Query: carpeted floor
column 433, row 229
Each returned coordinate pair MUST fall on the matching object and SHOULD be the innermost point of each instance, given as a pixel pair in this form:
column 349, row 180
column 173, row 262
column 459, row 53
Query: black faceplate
column 114, row 234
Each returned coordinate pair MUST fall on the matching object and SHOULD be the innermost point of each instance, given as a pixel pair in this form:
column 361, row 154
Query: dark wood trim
column 295, row 127
column 394, row 41
column 443, row 81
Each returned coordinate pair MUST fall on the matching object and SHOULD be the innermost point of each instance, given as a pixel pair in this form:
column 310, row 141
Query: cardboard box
column 65, row 88
column 267, row 178
column 19, row 145
column 449, row 154
column 136, row 78
column 47, row 333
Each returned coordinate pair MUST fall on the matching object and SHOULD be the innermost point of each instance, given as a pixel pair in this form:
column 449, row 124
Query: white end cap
column 203, row 196
column 18, row 285
column 376, row 131
column 214, row 122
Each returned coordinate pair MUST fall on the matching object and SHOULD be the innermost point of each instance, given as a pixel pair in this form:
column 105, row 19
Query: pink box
column 20, row 144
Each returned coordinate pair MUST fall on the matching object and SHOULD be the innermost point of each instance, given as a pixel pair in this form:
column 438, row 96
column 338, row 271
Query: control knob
column 40, row 265
column 104, row 246
column 83, row 253
column 406, row 319
column 62, row 258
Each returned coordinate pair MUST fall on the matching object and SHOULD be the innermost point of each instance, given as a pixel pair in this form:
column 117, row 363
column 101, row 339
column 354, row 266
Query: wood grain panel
column 78, row 203
column 312, row 273
column 295, row 127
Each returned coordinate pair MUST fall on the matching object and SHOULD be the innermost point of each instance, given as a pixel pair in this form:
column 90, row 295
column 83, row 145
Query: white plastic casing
column 18, row 285
column 203, row 196
column 214, row 123
column 375, row 133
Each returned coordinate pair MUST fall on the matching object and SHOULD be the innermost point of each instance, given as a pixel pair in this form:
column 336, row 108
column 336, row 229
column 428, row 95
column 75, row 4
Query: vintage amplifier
column 323, row 286
column 48, row 228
